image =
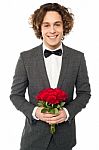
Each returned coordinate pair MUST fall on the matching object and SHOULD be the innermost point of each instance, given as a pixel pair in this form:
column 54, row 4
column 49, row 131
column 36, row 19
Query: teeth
column 52, row 37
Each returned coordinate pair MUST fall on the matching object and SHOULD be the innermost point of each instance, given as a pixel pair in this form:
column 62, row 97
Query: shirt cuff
column 67, row 113
column 33, row 113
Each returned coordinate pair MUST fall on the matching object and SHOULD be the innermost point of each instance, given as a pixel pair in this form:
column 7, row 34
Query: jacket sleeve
column 82, row 90
column 18, row 89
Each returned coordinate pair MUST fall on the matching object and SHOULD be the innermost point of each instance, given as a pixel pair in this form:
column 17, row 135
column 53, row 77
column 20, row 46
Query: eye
column 46, row 25
column 57, row 24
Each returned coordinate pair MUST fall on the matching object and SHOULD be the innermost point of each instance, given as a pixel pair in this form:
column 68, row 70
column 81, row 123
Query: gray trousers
column 52, row 145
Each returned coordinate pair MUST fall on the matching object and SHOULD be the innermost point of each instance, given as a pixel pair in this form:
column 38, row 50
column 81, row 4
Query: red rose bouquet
column 52, row 100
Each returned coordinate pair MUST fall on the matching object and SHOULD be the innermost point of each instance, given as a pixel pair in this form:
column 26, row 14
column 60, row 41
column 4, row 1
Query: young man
column 52, row 64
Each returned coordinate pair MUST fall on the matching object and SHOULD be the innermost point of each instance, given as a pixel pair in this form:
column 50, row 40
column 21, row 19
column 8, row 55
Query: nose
column 52, row 29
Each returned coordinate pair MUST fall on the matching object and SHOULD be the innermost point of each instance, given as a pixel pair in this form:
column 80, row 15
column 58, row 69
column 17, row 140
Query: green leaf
column 44, row 110
column 62, row 104
column 48, row 106
column 52, row 111
column 56, row 111
column 58, row 106
column 40, row 103
column 54, row 105
column 46, row 103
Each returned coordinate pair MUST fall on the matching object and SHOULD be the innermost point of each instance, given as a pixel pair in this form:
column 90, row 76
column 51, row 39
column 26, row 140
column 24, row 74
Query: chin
column 53, row 46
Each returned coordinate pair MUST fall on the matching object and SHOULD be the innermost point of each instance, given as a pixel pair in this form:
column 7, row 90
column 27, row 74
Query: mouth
column 52, row 37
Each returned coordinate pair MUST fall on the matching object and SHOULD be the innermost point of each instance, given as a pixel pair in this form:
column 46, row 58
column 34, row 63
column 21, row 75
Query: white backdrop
column 16, row 36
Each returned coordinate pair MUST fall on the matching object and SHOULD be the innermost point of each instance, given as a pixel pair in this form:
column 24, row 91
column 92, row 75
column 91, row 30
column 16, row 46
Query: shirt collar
column 45, row 47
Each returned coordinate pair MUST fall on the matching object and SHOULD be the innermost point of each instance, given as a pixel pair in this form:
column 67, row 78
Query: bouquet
column 52, row 100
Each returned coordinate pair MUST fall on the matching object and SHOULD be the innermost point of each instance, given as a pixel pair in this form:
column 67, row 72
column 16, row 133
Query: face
column 52, row 29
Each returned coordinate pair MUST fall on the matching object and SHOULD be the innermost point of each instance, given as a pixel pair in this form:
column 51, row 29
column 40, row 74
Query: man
column 52, row 64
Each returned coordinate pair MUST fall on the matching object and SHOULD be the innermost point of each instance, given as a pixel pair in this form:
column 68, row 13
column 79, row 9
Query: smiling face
column 52, row 29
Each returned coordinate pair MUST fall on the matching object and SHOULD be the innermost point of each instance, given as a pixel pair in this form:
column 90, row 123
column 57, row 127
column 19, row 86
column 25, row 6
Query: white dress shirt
column 53, row 67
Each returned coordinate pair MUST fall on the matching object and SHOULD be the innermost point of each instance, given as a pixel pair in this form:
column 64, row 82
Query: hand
column 43, row 116
column 61, row 117
column 51, row 118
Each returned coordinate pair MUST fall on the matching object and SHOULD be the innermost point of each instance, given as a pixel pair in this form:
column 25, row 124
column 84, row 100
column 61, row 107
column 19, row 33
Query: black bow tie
column 47, row 53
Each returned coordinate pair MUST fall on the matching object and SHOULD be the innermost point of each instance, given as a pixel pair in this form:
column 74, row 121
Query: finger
column 48, row 115
column 55, row 118
column 56, row 121
column 51, row 119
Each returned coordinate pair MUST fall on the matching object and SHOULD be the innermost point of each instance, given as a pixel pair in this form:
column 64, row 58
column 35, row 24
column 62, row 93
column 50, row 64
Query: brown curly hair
column 37, row 17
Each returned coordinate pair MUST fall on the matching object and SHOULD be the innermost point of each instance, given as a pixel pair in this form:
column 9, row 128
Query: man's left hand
column 61, row 117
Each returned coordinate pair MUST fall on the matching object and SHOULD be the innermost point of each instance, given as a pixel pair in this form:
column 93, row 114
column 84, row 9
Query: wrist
column 34, row 113
column 67, row 114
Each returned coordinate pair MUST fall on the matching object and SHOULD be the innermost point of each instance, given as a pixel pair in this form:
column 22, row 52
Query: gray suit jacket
column 31, row 73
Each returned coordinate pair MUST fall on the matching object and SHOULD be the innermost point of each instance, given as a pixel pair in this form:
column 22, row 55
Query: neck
column 52, row 47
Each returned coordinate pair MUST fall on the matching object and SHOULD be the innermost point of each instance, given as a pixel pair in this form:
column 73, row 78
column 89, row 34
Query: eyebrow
column 54, row 22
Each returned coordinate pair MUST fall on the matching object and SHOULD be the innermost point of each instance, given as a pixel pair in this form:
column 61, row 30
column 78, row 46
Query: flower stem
column 52, row 128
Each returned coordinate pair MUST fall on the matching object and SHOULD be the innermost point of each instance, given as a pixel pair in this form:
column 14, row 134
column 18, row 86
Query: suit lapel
column 41, row 67
column 64, row 67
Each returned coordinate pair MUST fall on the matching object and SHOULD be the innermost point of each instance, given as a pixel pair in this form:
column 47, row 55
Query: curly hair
column 37, row 17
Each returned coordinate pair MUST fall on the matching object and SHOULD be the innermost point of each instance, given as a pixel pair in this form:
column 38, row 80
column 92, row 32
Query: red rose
column 52, row 100
column 52, row 96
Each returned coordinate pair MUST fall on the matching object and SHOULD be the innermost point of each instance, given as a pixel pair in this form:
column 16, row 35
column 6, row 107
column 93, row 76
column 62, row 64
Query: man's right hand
column 46, row 117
